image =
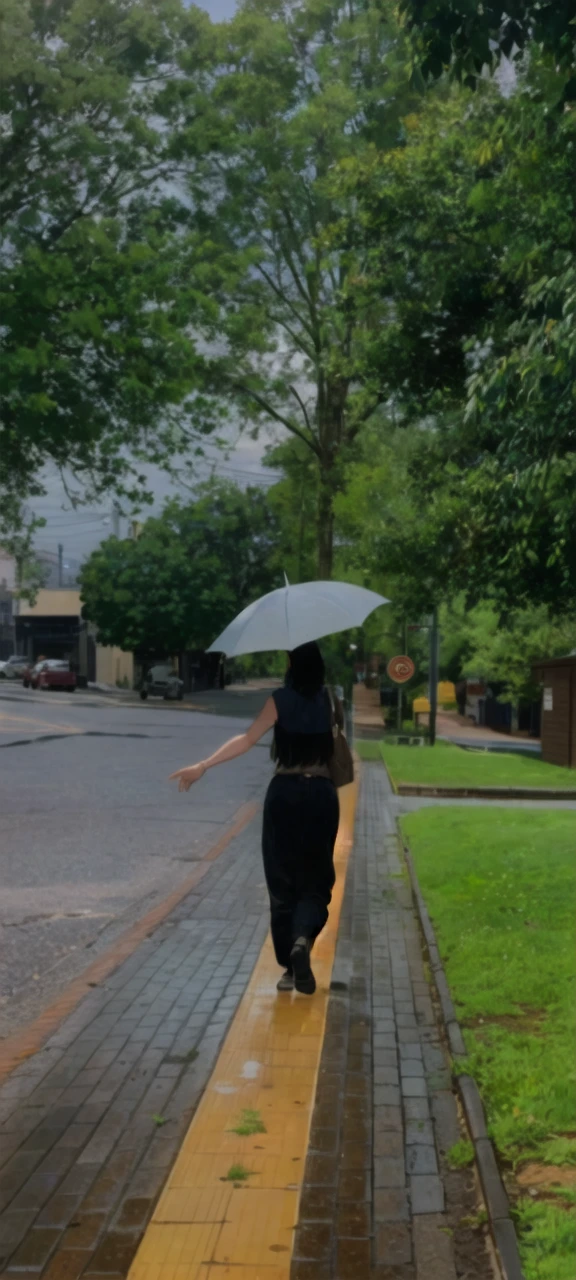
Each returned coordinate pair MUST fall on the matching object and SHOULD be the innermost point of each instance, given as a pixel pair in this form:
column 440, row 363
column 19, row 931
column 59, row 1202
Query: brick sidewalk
column 82, row 1160
column 379, row 1201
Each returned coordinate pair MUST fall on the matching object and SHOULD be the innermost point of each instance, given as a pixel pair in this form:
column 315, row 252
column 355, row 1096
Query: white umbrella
column 291, row 616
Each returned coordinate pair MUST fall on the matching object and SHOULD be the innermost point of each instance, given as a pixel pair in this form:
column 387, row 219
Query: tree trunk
column 325, row 527
column 331, row 408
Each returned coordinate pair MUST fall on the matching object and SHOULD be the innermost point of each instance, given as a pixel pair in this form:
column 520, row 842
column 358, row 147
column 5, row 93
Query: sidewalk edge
column 485, row 793
column 24, row 1043
column 497, row 1205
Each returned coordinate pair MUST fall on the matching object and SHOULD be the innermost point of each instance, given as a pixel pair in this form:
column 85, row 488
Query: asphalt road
column 92, row 835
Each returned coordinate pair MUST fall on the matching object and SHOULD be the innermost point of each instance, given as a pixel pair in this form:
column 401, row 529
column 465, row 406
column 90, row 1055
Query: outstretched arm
column 234, row 747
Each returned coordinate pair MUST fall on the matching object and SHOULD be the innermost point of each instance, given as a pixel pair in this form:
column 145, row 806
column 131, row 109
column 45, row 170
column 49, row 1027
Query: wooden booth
column 558, row 724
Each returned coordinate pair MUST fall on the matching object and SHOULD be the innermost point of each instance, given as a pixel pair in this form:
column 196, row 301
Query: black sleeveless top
column 303, row 731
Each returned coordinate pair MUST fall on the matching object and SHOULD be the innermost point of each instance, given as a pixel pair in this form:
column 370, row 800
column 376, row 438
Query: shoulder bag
column 341, row 764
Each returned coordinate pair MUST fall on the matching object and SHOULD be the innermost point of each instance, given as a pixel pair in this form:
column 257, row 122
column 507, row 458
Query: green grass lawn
column 501, row 890
column 448, row 765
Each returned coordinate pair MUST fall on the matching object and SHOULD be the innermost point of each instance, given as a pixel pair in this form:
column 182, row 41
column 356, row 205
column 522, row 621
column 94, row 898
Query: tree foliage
column 502, row 648
column 467, row 37
column 472, row 226
column 294, row 501
column 281, row 95
column 96, row 352
column 185, row 577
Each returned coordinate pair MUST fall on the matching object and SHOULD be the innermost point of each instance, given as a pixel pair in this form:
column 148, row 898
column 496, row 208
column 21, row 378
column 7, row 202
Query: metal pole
column 349, row 708
column 399, row 704
column 83, row 655
column 60, row 563
column 433, row 675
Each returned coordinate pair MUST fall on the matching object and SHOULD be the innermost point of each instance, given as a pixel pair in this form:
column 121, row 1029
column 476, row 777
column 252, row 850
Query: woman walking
column 300, row 812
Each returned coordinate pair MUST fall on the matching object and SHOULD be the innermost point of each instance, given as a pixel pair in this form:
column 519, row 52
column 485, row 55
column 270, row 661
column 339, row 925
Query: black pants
column 300, row 825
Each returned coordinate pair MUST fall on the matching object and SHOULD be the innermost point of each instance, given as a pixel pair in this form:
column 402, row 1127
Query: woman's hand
column 234, row 747
column 187, row 776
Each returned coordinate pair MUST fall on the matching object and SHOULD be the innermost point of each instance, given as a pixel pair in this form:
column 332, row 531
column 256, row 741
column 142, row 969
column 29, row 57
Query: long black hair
column 307, row 672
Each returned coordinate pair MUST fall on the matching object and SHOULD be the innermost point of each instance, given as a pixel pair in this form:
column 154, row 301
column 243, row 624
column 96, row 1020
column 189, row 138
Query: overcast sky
column 80, row 530
column 218, row 9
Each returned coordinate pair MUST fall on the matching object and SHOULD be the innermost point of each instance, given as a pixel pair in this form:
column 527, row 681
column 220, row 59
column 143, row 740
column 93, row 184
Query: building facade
column 558, row 724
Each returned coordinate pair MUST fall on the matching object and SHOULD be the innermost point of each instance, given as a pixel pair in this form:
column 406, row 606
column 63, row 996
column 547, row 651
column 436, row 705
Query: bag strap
column 336, row 730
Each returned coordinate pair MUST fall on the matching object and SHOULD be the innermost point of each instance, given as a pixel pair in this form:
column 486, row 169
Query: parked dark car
column 50, row 673
column 162, row 682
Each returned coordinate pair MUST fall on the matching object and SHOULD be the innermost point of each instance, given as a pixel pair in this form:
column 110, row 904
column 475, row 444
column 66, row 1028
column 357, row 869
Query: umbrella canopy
column 291, row 616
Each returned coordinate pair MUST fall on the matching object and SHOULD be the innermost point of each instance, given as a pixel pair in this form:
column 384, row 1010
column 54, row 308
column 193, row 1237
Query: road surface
column 92, row 835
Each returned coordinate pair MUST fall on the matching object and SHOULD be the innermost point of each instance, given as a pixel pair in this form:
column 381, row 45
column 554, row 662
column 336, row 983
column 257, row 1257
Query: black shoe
column 304, row 979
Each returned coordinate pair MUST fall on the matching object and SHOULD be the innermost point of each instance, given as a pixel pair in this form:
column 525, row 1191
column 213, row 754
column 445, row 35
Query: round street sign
column 400, row 669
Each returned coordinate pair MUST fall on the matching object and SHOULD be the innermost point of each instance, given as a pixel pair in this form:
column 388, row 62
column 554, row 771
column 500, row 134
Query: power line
column 72, row 524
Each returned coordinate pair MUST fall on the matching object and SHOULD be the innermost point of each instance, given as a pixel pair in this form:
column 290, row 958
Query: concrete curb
column 486, row 793
column 497, row 1205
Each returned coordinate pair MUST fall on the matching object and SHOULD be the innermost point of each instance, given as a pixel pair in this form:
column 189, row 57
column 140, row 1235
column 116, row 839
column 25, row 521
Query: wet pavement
column 92, row 1123
column 464, row 732
column 92, row 834
column 379, row 1200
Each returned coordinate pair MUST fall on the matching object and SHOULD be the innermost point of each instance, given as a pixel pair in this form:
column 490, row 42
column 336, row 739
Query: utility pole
column 434, row 646
column 399, row 692
column 115, row 519
column 60, row 564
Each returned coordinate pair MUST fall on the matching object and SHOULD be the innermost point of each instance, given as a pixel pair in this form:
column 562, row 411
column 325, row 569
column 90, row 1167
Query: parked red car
column 51, row 673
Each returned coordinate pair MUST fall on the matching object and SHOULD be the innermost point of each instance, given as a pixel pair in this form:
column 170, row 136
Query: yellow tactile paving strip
column 211, row 1221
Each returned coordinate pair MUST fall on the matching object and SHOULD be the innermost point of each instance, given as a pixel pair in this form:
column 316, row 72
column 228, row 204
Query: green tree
column 466, row 37
column 501, row 647
column 96, row 354
column 472, row 228
column 294, row 501
column 286, row 93
column 185, row 577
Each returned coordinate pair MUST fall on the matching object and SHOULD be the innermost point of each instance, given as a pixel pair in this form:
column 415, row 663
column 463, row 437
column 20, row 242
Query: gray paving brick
column 387, row 1142
column 393, row 1244
column 386, row 1075
column 412, row 1067
column 414, row 1087
column 387, row 1041
column 391, row 1205
column 408, row 1035
column 385, row 1026
column 387, row 1117
column 420, row 1132
column 389, row 1171
column 408, row 1027
column 385, row 1057
column 386, row 1095
column 433, row 1250
column 421, row 1159
column 426, row 1193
